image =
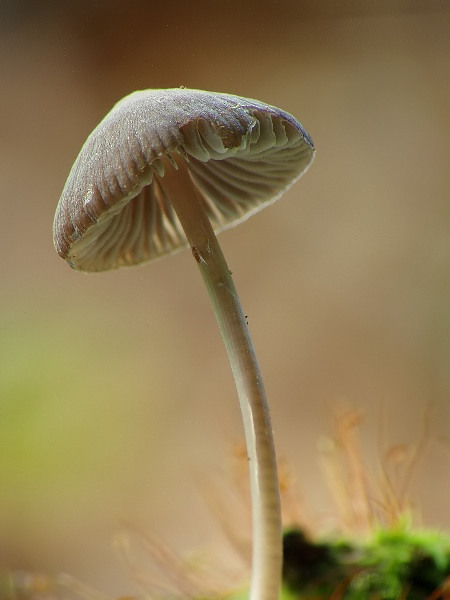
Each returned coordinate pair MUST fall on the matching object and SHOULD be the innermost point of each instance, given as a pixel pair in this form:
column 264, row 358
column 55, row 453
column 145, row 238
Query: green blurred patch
column 52, row 403
column 72, row 419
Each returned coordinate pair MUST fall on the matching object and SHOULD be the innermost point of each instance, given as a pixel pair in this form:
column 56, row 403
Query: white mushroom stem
column 266, row 515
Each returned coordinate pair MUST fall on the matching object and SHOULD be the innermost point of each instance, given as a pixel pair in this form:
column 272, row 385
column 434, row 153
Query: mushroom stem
column 264, row 485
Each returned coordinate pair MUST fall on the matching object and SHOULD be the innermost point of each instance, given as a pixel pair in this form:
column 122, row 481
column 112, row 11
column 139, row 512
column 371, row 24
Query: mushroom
column 167, row 168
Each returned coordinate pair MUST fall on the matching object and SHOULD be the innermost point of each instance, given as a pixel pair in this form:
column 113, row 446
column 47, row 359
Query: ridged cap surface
column 241, row 155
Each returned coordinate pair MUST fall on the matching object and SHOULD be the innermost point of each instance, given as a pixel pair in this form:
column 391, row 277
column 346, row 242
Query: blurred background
column 116, row 399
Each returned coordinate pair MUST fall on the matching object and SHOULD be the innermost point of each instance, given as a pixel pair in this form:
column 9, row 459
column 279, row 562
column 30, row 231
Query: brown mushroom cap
column 241, row 155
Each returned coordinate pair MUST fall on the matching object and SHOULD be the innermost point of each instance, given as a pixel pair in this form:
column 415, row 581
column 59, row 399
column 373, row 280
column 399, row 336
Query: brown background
column 115, row 394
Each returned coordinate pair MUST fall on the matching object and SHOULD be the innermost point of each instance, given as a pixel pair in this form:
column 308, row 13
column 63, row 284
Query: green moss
column 392, row 564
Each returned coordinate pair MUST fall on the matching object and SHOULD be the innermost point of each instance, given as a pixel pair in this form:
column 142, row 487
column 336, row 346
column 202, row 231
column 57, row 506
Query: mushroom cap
column 241, row 155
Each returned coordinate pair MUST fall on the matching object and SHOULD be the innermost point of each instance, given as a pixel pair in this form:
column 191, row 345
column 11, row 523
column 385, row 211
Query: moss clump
column 393, row 564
